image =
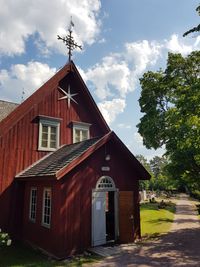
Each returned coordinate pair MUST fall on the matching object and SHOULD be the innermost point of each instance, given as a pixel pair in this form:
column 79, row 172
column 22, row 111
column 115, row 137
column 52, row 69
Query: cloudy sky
column 121, row 40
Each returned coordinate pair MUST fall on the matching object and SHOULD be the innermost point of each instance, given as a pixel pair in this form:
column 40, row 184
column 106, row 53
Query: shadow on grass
column 20, row 255
column 160, row 221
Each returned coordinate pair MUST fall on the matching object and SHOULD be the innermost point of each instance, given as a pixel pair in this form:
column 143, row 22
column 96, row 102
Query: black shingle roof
column 55, row 161
column 6, row 108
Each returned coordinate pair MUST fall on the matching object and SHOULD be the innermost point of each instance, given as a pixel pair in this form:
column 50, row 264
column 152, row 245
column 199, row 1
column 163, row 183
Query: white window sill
column 46, row 225
column 46, row 149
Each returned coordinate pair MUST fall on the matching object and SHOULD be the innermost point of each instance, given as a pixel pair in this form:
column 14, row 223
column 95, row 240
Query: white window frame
column 49, row 122
column 81, row 126
column 33, row 204
column 44, row 223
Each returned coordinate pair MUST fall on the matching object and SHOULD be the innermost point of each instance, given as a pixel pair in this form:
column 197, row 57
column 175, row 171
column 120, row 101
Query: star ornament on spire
column 67, row 96
column 69, row 41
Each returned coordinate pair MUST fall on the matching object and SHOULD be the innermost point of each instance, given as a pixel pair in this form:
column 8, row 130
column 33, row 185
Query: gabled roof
column 6, row 108
column 43, row 91
column 66, row 158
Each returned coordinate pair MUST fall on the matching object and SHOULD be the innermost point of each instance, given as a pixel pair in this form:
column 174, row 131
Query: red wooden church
column 66, row 181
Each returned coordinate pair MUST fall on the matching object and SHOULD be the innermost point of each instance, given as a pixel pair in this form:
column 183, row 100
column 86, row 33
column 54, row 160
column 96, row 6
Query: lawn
column 19, row 255
column 155, row 220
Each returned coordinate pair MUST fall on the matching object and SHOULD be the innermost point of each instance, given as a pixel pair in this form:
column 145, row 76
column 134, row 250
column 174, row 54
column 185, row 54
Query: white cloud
column 175, row 45
column 110, row 109
column 102, row 41
column 20, row 19
column 143, row 53
column 138, row 139
column 197, row 43
column 112, row 73
column 124, row 126
column 137, row 148
column 30, row 77
column 118, row 74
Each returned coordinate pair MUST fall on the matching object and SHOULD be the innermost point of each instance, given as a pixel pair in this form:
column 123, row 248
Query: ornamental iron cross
column 69, row 41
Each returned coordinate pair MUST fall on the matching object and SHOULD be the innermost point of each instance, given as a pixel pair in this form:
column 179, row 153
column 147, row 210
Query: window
column 105, row 183
column 80, row 131
column 33, row 203
column 49, row 131
column 46, row 211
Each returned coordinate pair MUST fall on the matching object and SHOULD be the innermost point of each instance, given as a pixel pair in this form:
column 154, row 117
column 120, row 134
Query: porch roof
column 57, row 160
column 63, row 160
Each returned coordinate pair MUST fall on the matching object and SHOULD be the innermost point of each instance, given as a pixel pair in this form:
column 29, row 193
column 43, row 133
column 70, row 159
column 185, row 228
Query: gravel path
column 180, row 247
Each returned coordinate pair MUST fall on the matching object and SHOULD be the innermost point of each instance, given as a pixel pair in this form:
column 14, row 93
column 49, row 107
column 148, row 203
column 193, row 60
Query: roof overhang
column 142, row 173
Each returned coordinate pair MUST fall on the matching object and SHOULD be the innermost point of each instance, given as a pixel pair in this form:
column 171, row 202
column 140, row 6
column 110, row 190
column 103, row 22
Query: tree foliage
column 160, row 180
column 170, row 101
column 194, row 29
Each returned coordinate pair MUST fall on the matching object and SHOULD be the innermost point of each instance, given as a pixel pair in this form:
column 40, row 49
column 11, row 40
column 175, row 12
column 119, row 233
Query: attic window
column 49, row 132
column 81, row 131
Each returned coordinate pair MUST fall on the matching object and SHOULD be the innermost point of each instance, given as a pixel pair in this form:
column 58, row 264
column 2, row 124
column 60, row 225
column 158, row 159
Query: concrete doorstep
column 107, row 251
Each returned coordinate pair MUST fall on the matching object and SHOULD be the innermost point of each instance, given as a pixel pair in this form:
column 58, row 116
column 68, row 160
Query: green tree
column 144, row 185
column 170, row 101
column 194, row 29
column 157, row 164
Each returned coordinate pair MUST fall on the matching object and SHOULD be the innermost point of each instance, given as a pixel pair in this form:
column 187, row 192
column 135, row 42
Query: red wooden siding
column 19, row 143
column 73, row 228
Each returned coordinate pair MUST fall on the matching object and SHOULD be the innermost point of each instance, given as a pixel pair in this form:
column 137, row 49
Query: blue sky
column 121, row 40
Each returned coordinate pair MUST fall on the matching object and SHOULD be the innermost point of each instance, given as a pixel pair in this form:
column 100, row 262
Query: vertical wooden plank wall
column 19, row 132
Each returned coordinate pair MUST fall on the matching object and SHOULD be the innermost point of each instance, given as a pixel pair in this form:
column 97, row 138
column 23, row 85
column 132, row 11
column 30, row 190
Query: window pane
column 49, row 136
column 44, row 136
column 53, row 137
column 47, row 207
column 53, row 129
column 33, row 202
column 81, row 135
column 77, row 135
column 84, row 135
column 44, row 129
column 53, row 144
column 44, row 143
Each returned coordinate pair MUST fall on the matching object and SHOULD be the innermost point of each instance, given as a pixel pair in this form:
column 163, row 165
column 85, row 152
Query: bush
column 198, row 208
column 4, row 239
column 195, row 194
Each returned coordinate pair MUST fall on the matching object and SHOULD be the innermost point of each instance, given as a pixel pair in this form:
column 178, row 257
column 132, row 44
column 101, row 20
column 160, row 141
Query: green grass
column 155, row 221
column 19, row 255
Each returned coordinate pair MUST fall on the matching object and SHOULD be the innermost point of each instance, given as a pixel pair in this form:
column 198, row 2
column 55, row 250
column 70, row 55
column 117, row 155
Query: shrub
column 195, row 194
column 4, row 239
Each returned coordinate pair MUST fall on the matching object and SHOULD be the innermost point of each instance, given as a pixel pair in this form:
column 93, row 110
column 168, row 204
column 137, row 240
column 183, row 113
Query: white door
column 98, row 218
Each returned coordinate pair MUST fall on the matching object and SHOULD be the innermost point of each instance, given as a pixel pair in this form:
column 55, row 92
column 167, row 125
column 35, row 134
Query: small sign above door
column 105, row 168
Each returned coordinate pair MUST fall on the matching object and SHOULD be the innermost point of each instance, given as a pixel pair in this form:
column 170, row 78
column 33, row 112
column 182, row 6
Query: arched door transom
column 106, row 183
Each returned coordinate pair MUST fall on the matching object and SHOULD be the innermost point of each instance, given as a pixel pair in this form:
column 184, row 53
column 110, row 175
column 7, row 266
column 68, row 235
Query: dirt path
column 180, row 247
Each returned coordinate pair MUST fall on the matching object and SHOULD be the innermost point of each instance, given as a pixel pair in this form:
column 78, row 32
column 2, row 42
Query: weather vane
column 69, row 41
